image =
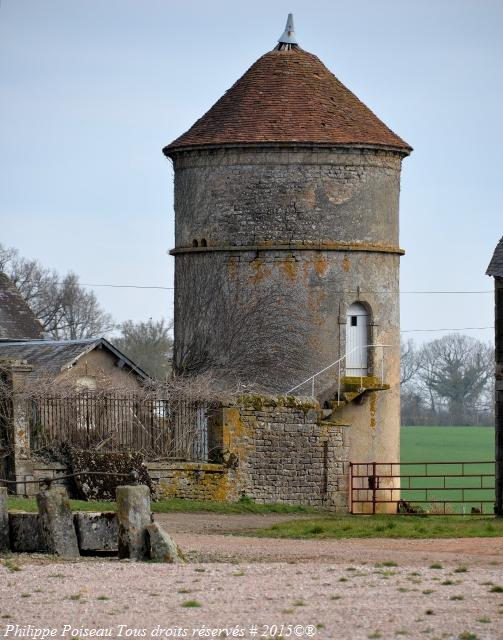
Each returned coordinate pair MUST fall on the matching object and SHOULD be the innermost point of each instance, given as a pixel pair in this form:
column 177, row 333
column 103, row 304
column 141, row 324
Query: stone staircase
column 352, row 390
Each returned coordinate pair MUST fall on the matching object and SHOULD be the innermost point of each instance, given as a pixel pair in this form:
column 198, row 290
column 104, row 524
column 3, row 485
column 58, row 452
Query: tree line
column 447, row 381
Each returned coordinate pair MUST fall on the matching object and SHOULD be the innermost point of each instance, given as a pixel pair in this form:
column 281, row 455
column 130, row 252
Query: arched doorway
column 357, row 340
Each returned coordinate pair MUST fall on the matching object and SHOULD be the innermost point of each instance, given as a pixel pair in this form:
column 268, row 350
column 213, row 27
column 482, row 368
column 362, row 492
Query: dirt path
column 327, row 589
column 206, row 537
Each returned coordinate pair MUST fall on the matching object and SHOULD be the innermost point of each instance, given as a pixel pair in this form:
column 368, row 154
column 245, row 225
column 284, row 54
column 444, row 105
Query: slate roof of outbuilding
column 289, row 97
column 495, row 267
column 54, row 356
column 17, row 321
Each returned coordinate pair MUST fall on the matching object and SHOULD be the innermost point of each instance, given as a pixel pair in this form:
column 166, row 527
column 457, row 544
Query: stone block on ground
column 133, row 515
column 162, row 546
column 4, row 520
column 56, row 522
column 96, row 531
column 26, row 533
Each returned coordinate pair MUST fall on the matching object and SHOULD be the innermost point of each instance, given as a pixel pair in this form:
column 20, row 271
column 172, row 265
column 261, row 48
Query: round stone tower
column 287, row 253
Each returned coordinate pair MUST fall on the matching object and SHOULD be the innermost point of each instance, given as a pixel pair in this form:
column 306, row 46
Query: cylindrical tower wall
column 268, row 194
column 272, row 247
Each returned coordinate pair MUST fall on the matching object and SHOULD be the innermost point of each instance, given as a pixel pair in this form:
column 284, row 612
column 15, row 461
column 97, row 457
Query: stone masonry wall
column 283, row 452
column 192, row 481
column 264, row 195
column 267, row 449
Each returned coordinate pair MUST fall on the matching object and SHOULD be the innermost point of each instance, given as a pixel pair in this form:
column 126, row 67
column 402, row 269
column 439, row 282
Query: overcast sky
column 91, row 90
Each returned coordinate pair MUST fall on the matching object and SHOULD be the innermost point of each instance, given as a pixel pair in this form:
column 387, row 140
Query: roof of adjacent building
column 289, row 96
column 495, row 267
column 54, row 356
column 17, row 321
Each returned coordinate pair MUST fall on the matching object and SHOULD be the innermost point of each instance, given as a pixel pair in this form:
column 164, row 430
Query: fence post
column 374, row 490
column 350, row 487
column 4, row 521
column 17, row 423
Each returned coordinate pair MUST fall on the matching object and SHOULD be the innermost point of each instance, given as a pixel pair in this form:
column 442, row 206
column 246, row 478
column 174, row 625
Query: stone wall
column 264, row 448
column 192, row 481
column 248, row 196
column 271, row 450
column 283, row 452
column 274, row 450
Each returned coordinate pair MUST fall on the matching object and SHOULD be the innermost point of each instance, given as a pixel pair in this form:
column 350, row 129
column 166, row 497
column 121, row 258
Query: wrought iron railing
column 156, row 427
column 339, row 365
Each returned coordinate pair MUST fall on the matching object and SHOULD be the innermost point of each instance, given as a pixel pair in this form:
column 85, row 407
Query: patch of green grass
column 484, row 620
column 436, row 565
column 190, row 604
column 102, row 598
column 468, row 635
column 11, row 565
column 461, row 569
column 457, row 598
column 496, row 589
column 450, row 444
column 174, row 505
column 374, row 526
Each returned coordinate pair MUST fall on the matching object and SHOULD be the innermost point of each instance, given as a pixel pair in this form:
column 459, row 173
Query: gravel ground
column 344, row 589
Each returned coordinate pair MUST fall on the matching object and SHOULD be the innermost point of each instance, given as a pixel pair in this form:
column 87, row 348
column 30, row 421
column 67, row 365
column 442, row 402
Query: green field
column 449, row 444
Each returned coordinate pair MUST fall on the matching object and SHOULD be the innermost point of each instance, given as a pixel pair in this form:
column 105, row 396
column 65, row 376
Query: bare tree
column 456, row 370
column 149, row 344
column 241, row 330
column 409, row 361
column 65, row 309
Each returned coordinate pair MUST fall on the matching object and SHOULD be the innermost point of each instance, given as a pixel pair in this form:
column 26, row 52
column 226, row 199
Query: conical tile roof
column 288, row 96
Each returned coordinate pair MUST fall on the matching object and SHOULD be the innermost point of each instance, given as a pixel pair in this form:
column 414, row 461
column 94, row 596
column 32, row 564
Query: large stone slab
column 56, row 522
column 162, row 546
column 26, row 533
column 98, row 485
column 4, row 520
column 133, row 515
column 96, row 531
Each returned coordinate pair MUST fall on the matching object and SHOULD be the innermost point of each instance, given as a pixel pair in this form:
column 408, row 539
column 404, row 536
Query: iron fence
column 444, row 488
column 156, row 427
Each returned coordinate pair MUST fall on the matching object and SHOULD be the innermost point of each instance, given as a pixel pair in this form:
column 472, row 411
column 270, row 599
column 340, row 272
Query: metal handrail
column 338, row 362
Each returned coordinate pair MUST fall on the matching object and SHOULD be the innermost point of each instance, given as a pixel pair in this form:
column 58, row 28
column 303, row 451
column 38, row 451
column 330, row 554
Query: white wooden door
column 357, row 341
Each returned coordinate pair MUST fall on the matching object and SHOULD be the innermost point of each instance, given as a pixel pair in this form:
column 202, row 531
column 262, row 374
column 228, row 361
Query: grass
column 386, row 526
column 450, row 444
column 175, row 505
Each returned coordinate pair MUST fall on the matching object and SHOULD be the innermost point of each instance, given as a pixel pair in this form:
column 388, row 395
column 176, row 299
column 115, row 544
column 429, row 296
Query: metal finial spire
column 288, row 36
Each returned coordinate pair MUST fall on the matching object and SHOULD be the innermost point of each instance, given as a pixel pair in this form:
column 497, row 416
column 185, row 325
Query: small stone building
column 495, row 269
column 92, row 364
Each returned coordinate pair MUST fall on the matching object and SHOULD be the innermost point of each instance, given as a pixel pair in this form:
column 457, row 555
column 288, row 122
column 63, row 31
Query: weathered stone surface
column 26, row 533
column 133, row 515
column 56, row 522
column 162, row 546
column 102, row 487
column 4, row 520
column 96, row 531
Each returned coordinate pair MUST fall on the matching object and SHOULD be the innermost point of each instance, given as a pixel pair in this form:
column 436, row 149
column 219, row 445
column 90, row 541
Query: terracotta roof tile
column 288, row 96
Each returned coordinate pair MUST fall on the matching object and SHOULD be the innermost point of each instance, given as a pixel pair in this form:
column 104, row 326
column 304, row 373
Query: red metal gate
column 444, row 488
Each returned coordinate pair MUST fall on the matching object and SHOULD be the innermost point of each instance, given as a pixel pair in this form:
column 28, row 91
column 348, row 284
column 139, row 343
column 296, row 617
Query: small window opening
column 204, row 243
column 354, row 321
column 195, row 243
